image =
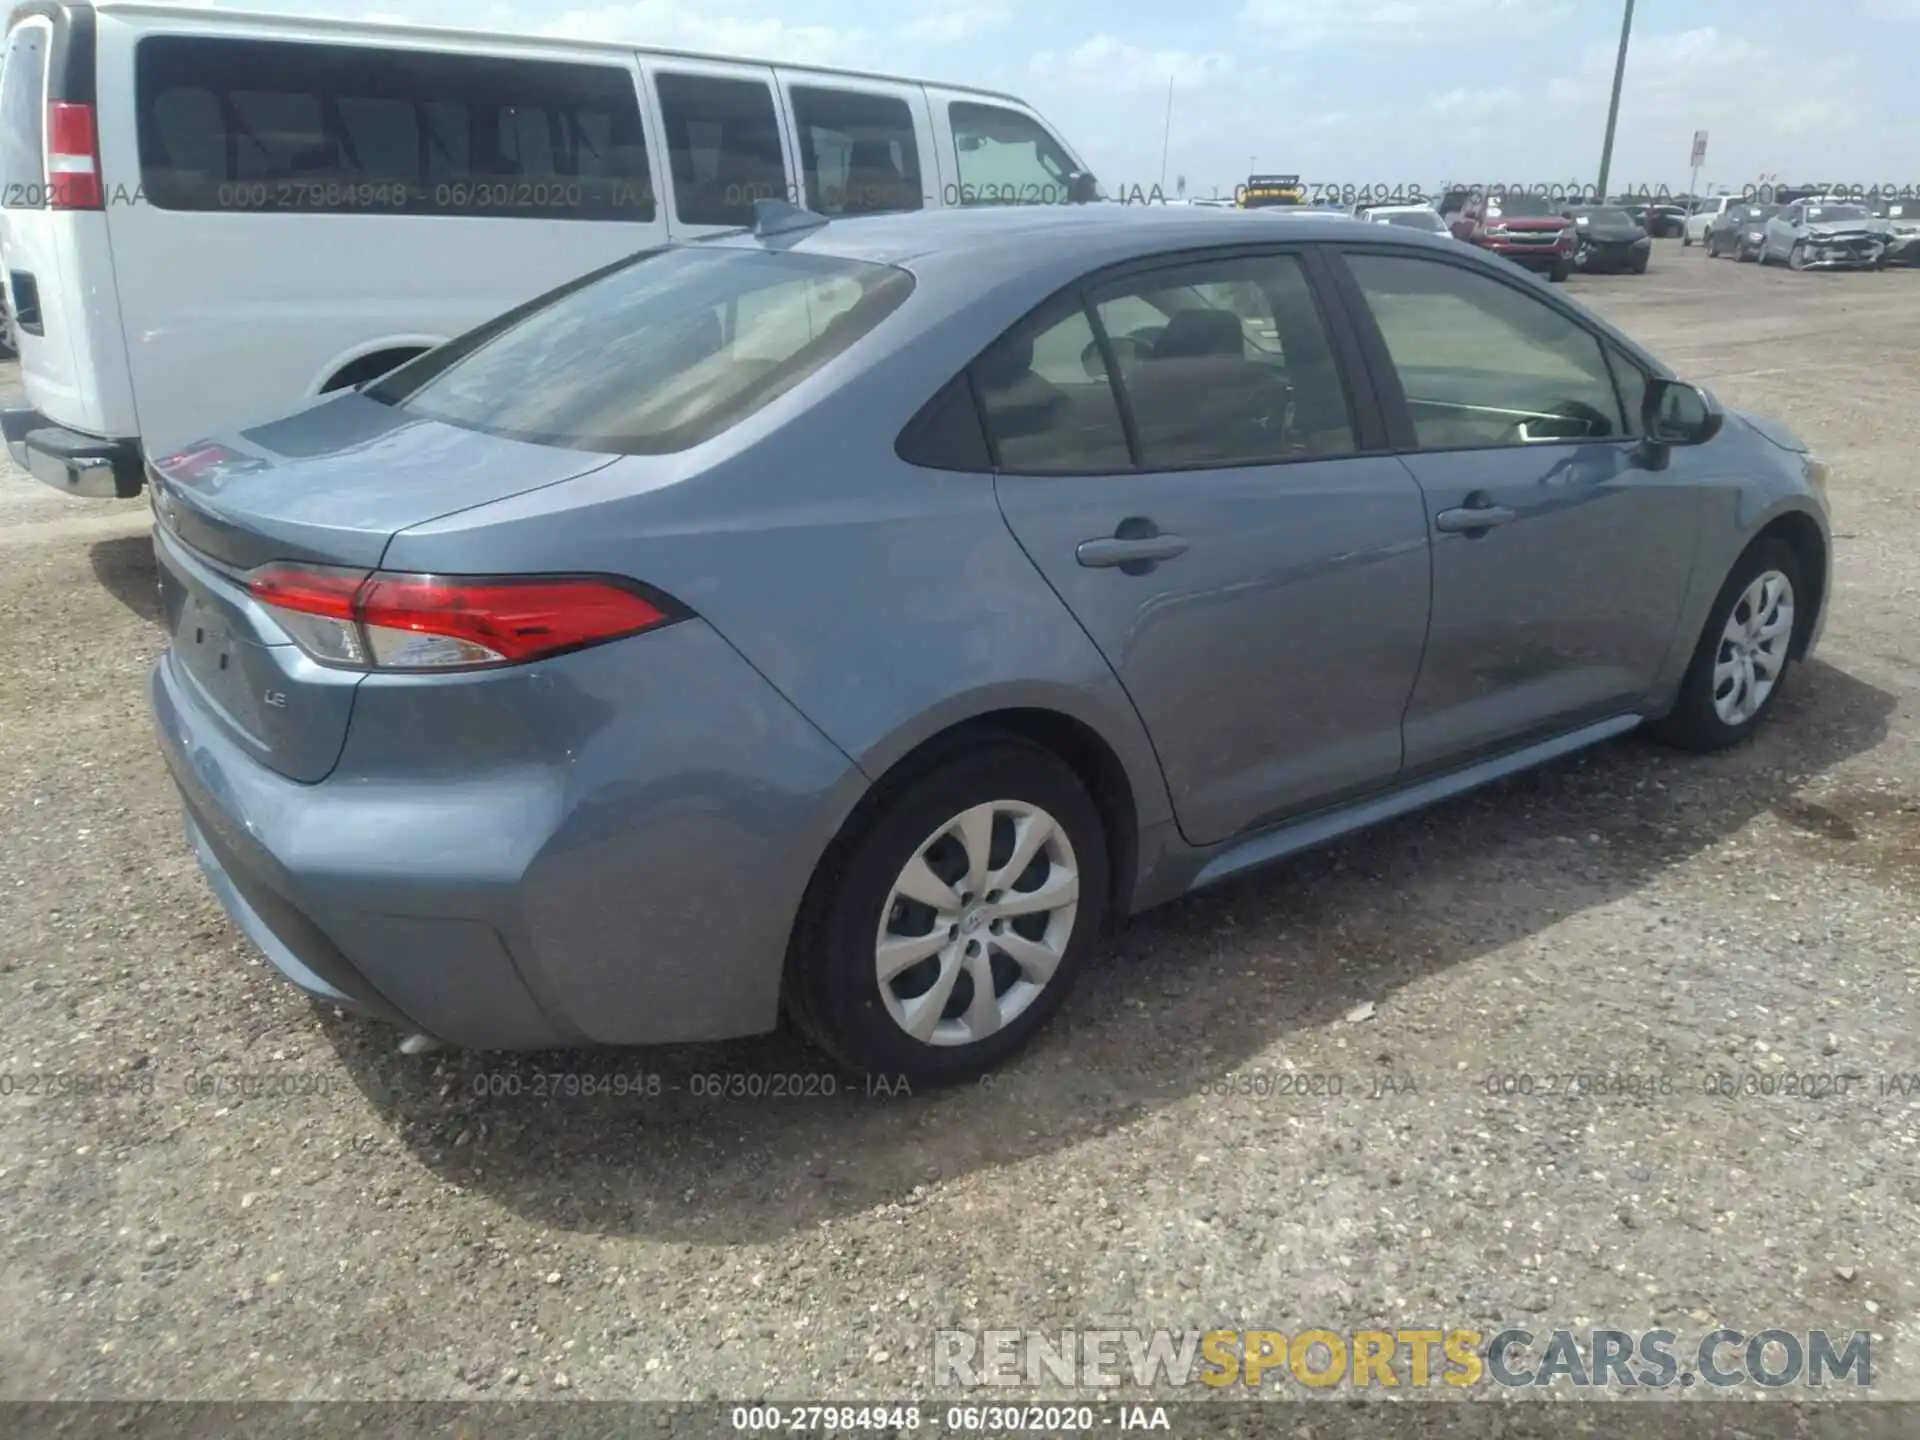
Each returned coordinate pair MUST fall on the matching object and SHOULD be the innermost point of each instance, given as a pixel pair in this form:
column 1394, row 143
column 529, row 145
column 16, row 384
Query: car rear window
column 1523, row 207
column 1414, row 219
column 656, row 355
column 22, row 115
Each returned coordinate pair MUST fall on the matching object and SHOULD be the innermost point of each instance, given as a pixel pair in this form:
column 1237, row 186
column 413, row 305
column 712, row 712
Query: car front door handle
column 1469, row 519
column 1129, row 551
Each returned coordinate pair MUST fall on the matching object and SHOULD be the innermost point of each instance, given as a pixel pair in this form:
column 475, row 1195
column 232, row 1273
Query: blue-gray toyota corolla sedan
column 849, row 618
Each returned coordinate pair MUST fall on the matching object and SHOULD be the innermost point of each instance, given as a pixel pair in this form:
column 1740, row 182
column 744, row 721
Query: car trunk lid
column 328, row 486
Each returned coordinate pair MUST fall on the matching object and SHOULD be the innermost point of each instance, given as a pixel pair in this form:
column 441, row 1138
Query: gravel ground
column 375, row 1228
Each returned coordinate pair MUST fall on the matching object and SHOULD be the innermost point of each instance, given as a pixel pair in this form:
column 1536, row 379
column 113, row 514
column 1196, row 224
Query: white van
column 208, row 215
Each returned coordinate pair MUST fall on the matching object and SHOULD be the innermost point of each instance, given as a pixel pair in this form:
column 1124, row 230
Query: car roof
column 1008, row 240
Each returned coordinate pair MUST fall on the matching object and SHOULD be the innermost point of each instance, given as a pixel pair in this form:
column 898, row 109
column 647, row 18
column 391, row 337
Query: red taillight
column 387, row 621
column 73, row 158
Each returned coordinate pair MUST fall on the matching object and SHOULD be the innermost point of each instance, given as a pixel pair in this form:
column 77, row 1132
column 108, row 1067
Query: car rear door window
column 1047, row 400
column 723, row 145
column 23, row 110
column 1006, row 158
column 1481, row 362
column 1226, row 362
column 858, row 152
column 241, row 125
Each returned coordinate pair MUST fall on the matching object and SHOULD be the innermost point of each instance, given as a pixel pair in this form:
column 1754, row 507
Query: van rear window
column 654, row 355
column 23, row 110
column 279, row 126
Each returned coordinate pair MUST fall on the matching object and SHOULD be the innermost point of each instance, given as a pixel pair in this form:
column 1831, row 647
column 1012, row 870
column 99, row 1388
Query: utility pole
column 1613, row 105
column 1166, row 138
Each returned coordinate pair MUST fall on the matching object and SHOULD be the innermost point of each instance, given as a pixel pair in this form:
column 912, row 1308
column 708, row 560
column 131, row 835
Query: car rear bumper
column 608, row 848
column 90, row 466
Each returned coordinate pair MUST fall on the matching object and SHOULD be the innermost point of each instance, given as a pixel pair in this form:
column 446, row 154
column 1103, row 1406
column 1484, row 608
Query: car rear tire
column 944, row 932
column 1741, row 662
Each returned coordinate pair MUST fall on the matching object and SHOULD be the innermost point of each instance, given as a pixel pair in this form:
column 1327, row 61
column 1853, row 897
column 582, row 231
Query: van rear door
column 53, row 225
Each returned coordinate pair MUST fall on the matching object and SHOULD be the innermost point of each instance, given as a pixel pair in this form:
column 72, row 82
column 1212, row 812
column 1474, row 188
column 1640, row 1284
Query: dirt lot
column 376, row 1227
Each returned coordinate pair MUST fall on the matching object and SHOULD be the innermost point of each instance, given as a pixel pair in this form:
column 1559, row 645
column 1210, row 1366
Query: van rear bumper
column 72, row 463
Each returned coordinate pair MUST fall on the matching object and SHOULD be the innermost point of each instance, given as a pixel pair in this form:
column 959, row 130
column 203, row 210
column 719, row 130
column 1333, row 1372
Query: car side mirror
column 1676, row 413
column 1082, row 188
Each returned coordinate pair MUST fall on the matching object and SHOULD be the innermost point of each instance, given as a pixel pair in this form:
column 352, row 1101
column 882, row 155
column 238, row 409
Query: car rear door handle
column 1127, row 552
column 1468, row 519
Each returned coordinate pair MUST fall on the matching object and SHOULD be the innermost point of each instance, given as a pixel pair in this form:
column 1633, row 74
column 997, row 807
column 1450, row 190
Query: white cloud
column 954, row 23
column 1403, row 22
column 1108, row 64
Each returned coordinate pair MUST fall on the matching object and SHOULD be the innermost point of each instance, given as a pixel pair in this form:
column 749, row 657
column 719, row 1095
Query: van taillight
column 73, row 158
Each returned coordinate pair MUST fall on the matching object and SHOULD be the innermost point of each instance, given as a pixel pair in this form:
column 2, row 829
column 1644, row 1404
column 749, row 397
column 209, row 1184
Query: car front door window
column 1483, row 363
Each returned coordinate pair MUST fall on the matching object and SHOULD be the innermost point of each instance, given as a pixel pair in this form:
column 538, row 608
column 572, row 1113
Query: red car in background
column 1526, row 229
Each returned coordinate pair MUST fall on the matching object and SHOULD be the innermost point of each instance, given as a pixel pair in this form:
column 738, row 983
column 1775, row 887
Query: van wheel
column 1743, row 655
column 936, row 942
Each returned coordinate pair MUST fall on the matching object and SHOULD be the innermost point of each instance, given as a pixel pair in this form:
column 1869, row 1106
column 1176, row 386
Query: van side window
column 23, row 109
column 284, row 126
column 858, row 152
column 723, row 142
column 1006, row 158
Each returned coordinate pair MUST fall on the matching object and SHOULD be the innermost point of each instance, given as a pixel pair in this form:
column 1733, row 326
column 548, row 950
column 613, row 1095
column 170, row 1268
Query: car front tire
column 1561, row 269
column 943, row 933
column 1744, row 653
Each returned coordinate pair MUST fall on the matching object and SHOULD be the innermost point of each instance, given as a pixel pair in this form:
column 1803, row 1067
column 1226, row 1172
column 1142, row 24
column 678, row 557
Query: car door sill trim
column 1312, row 830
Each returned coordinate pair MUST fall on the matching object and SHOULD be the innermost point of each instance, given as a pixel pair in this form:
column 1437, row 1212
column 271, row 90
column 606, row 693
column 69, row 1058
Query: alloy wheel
column 977, row 922
column 1753, row 648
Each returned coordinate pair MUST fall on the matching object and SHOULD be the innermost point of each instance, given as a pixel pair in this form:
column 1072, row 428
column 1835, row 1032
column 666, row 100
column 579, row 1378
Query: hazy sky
column 1399, row 91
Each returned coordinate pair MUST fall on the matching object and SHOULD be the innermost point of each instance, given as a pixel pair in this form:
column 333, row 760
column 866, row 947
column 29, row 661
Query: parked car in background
column 1701, row 215
column 1662, row 221
column 1605, row 237
column 554, row 749
column 1824, row 235
column 1666, row 221
column 1411, row 217
column 1901, row 220
column 206, row 211
column 1739, row 231
column 1526, row 229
